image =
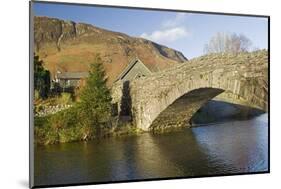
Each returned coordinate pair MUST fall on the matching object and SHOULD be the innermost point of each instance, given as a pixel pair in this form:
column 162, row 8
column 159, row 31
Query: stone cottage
column 69, row 80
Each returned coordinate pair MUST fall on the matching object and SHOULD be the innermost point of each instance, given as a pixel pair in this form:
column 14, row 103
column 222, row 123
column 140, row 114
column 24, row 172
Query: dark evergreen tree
column 41, row 78
column 95, row 98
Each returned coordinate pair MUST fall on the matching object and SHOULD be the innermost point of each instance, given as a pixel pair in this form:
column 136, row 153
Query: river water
column 225, row 148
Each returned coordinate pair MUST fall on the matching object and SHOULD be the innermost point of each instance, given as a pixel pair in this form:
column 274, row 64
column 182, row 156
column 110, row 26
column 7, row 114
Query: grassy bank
column 69, row 126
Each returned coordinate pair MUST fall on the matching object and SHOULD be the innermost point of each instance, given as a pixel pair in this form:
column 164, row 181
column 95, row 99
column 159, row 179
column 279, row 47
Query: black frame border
column 31, row 116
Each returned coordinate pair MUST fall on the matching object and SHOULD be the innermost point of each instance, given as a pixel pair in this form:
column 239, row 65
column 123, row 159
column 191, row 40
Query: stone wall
column 116, row 94
column 48, row 110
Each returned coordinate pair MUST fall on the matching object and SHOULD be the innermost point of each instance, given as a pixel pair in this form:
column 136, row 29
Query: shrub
column 64, row 99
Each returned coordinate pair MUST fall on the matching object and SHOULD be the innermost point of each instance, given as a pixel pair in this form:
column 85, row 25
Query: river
column 225, row 148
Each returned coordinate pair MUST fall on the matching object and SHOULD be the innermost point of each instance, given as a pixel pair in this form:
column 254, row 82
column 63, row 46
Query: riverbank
column 71, row 125
column 56, row 128
column 212, row 150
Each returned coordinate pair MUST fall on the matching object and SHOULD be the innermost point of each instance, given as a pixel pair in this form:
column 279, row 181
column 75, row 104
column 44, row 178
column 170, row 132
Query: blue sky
column 186, row 32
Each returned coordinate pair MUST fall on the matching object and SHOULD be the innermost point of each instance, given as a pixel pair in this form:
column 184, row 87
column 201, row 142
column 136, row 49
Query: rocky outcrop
column 54, row 31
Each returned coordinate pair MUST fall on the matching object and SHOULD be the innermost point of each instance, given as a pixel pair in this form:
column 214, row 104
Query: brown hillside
column 70, row 46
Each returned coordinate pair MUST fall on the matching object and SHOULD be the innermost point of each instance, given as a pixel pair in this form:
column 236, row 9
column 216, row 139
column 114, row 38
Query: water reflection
column 234, row 147
column 241, row 145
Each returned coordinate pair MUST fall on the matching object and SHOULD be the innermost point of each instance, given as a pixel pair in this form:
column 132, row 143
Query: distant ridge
column 70, row 47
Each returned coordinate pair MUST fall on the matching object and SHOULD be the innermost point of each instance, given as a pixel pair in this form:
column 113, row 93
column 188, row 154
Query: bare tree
column 226, row 42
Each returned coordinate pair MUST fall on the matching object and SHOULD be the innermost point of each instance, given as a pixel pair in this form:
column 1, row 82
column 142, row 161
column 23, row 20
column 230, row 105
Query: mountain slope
column 69, row 46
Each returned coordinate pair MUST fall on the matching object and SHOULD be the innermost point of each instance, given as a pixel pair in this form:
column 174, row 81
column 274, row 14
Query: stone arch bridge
column 171, row 97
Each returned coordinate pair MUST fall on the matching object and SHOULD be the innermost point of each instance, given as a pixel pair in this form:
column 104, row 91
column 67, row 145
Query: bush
column 65, row 118
column 64, row 99
column 65, row 126
column 43, row 133
column 69, row 134
column 51, row 129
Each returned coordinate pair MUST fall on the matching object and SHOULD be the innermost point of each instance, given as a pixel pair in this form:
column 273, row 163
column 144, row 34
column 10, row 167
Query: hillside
column 69, row 46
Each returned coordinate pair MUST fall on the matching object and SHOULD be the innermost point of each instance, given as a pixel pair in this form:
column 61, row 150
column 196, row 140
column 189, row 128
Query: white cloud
column 166, row 35
column 170, row 30
column 179, row 19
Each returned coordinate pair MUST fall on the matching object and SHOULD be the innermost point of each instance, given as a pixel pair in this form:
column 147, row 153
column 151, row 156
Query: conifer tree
column 95, row 98
column 41, row 78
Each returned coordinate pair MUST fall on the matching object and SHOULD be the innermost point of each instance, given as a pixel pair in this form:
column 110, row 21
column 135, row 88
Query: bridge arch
column 173, row 108
column 183, row 108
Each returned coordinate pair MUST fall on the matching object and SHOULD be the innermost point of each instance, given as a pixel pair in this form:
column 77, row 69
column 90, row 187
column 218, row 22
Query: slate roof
column 72, row 75
column 129, row 67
